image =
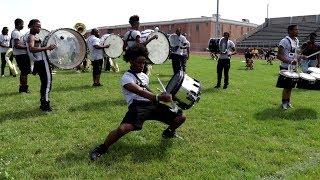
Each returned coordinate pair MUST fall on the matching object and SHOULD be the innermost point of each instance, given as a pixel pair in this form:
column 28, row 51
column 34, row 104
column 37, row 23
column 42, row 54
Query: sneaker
column 225, row 86
column 169, row 134
column 2, row 76
column 284, row 106
column 217, row 86
column 289, row 105
column 97, row 84
column 97, row 152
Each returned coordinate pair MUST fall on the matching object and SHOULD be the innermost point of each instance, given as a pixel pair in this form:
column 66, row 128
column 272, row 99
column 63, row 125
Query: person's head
column 178, row 31
column 313, row 37
column 5, row 31
column 226, row 35
column 134, row 21
column 137, row 57
column 293, row 30
column 95, row 32
column 18, row 24
column 35, row 26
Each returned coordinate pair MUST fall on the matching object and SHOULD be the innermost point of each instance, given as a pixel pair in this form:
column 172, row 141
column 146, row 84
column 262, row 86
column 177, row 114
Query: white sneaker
column 284, row 106
column 289, row 105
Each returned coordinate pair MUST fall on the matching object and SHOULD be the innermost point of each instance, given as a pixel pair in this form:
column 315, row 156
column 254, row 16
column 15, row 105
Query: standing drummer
column 287, row 53
column 143, row 104
column 132, row 37
column 307, row 49
column 96, row 50
column 177, row 54
column 41, row 64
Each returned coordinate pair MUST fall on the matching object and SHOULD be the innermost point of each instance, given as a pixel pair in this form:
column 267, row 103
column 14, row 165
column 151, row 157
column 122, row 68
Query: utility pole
column 268, row 11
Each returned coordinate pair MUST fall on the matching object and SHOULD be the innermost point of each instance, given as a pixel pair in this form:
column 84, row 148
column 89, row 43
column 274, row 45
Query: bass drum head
column 158, row 48
column 70, row 50
column 116, row 46
column 175, row 83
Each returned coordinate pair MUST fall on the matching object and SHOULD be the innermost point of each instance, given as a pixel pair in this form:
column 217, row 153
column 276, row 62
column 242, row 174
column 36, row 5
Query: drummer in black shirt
column 309, row 48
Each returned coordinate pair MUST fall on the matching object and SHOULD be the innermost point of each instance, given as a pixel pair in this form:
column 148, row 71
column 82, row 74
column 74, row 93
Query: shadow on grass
column 71, row 88
column 211, row 90
column 99, row 106
column 291, row 114
column 7, row 94
column 119, row 152
column 19, row 115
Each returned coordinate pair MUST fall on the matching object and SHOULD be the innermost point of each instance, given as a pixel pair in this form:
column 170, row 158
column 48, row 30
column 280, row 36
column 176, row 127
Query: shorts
column 23, row 63
column 96, row 66
column 140, row 111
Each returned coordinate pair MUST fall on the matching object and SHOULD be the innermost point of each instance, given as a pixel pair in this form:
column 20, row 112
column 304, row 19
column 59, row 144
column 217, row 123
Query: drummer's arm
column 33, row 49
column 134, row 88
column 101, row 47
column 280, row 55
column 149, row 40
column 17, row 44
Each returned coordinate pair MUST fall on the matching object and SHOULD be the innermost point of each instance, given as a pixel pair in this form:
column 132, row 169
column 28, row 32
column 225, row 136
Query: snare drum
column 314, row 70
column 287, row 79
column 316, row 85
column 71, row 48
column 306, row 81
column 184, row 89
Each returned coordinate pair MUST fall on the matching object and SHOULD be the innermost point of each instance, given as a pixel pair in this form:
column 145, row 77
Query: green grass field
column 240, row 132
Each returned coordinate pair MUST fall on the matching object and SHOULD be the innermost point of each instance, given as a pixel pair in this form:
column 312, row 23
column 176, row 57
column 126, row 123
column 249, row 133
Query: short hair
column 18, row 21
column 4, row 29
column 94, row 30
column 134, row 52
column 291, row 27
column 33, row 22
column 226, row 33
column 133, row 19
column 313, row 34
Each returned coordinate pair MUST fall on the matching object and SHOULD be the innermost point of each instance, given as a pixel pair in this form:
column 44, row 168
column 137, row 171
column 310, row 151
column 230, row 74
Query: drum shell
column 188, row 94
column 286, row 82
column 305, row 84
column 316, row 85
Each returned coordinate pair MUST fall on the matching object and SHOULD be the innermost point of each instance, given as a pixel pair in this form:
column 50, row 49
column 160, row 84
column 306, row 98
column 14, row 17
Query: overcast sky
column 55, row 14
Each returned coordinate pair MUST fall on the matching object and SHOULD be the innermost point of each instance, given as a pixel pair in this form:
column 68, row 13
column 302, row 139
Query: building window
column 197, row 27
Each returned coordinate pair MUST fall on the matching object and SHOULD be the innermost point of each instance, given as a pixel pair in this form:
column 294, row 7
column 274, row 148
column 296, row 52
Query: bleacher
column 269, row 34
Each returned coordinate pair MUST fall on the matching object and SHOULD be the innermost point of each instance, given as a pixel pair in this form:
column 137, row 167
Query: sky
column 55, row 14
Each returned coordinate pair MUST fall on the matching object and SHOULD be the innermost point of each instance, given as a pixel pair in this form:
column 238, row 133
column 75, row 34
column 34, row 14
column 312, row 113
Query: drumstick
column 313, row 54
column 164, row 89
column 174, row 107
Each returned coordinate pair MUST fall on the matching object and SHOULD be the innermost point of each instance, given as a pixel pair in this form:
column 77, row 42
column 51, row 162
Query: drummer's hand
column 301, row 57
column 155, row 36
column 165, row 97
column 51, row 47
column 294, row 62
column 107, row 46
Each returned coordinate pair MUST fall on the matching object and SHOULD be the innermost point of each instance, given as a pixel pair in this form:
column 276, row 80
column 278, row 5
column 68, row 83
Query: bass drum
column 71, row 48
column 184, row 89
column 116, row 45
column 158, row 48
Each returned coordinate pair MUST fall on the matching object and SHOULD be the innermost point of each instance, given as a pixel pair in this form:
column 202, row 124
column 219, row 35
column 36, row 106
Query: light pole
column 217, row 21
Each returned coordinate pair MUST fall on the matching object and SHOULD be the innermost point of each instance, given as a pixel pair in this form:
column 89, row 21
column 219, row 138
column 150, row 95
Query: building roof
column 188, row 20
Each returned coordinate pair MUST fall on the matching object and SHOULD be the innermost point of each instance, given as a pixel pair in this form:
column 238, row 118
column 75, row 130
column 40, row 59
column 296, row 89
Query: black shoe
column 225, row 86
column 169, row 134
column 45, row 106
column 96, row 84
column 217, row 86
column 97, row 152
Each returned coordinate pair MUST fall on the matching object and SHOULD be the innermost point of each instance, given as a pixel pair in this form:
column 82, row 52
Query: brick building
column 198, row 30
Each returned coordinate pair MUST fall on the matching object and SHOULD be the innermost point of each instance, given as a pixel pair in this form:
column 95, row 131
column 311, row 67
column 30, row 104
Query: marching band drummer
column 21, row 56
column 132, row 37
column 177, row 55
column 41, row 64
column 4, row 46
column 96, row 50
column 143, row 104
column 227, row 49
column 287, row 53
column 307, row 49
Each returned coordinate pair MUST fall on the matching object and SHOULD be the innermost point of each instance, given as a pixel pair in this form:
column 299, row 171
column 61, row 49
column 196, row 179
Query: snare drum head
column 175, row 83
column 314, row 70
column 307, row 77
column 316, row 75
column 289, row 74
column 71, row 48
column 116, row 46
column 158, row 48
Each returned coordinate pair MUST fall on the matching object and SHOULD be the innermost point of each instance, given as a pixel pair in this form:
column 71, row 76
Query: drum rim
column 105, row 48
column 169, row 47
column 280, row 72
column 302, row 76
column 45, row 41
column 176, row 88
